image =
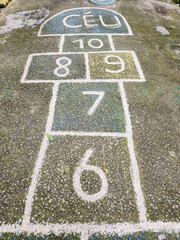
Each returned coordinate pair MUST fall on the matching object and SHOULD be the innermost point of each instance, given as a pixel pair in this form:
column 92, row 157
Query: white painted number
column 119, row 62
column 81, row 43
column 93, row 43
column 97, row 102
column 86, row 167
column 62, row 70
column 93, row 40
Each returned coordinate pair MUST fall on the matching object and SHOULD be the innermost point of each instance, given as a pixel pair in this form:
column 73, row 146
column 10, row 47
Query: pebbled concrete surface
column 154, row 109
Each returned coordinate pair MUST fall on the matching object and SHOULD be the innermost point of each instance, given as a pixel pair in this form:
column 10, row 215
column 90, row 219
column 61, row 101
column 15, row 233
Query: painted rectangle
column 56, row 200
column 108, row 66
column 89, row 43
column 114, row 65
column 54, row 66
column 89, row 107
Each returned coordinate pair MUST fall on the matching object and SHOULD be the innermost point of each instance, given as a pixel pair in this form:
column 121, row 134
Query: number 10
column 91, row 42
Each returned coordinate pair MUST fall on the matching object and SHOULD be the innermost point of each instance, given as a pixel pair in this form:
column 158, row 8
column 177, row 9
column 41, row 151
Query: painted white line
column 90, row 228
column 52, row 108
column 61, row 44
column 39, row 162
column 65, row 53
column 84, row 80
column 88, row 76
column 84, row 166
column 85, row 34
column 47, row 20
column 134, row 166
column 138, row 66
column 26, row 69
column 111, row 43
column 84, row 235
column 90, row 134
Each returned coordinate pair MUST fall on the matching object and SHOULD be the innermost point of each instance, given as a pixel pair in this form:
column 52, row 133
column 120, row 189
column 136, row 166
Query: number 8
column 62, row 65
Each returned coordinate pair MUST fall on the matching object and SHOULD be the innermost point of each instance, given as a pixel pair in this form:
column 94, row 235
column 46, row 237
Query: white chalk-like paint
column 91, row 43
column 61, row 44
column 140, row 201
column 111, row 43
column 89, row 22
column 39, row 162
column 120, row 62
column 117, row 25
column 88, row 134
column 77, row 26
column 84, row 166
column 91, row 228
column 88, row 78
column 97, row 102
column 61, row 66
column 71, row 26
column 87, row 229
column 26, row 69
column 81, row 43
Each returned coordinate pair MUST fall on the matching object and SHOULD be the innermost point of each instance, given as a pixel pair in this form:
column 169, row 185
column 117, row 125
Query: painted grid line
column 134, row 166
column 39, row 162
column 90, row 134
column 111, row 43
column 88, row 76
column 61, row 44
column 83, row 80
column 90, row 228
column 87, row 79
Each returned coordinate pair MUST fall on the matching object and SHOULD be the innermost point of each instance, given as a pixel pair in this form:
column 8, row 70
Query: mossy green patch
column 176, row 1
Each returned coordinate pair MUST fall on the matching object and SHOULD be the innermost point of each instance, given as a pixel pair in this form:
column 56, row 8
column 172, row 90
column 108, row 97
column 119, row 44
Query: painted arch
column 83, row 21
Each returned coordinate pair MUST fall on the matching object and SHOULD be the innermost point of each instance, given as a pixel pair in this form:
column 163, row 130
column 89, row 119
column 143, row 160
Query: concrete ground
column 126, row 148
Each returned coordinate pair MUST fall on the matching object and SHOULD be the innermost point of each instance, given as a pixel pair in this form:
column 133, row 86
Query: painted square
column 56, row 67
column 57, row 201
column 74, row 108
column 89, row 43
column 114, row 65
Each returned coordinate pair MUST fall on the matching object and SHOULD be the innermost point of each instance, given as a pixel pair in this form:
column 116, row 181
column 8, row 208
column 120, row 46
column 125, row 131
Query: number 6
column 86, row 167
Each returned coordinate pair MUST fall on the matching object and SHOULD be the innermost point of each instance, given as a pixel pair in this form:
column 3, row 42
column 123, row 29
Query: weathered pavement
column 89, row 120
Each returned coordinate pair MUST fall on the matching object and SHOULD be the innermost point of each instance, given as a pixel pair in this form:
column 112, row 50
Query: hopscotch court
column 86, row 180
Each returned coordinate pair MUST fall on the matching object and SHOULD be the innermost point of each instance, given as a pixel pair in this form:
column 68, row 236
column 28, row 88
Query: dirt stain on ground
column 160, row 9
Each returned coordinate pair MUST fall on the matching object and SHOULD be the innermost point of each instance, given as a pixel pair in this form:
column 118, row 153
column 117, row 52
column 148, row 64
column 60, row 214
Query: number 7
column 97, row 102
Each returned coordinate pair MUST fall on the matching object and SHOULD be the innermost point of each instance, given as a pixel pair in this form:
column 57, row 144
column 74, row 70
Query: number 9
column 119, row 61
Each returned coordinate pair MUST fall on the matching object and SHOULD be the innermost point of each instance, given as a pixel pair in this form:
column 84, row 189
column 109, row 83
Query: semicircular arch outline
column 54, row 25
